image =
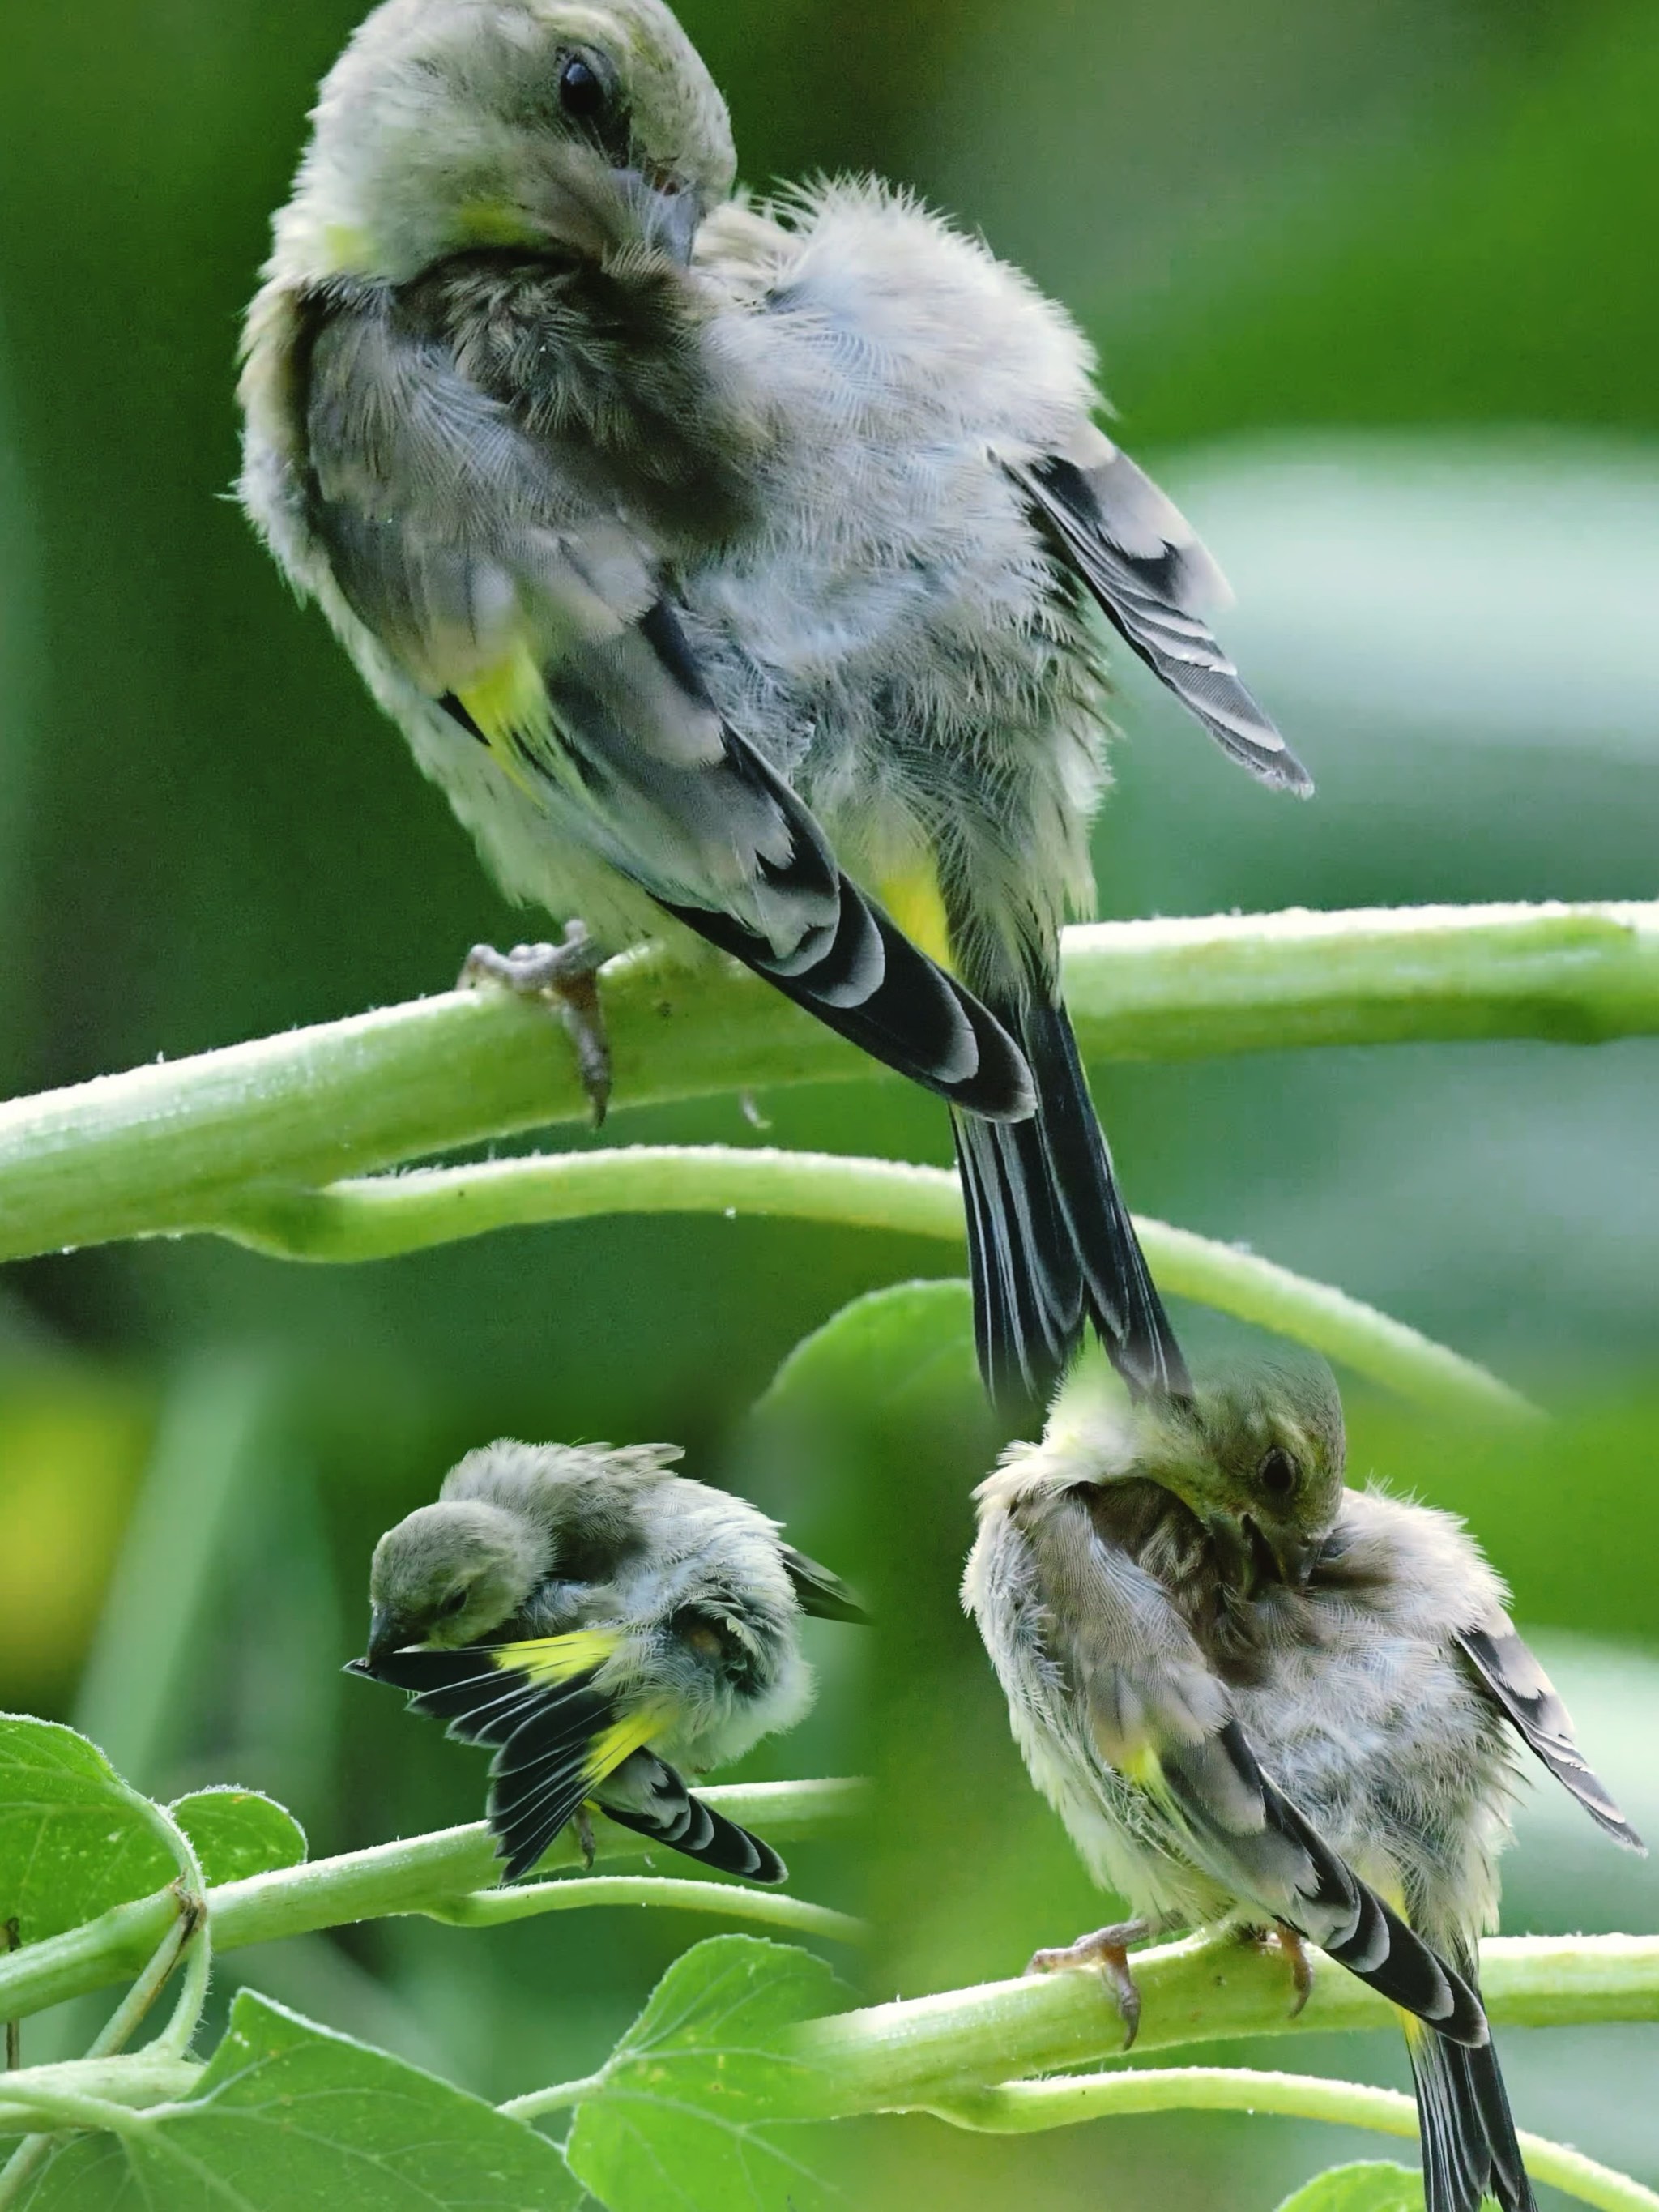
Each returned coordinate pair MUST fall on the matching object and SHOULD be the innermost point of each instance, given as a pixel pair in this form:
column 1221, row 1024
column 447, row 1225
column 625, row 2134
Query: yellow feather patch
column 1142, row 1767
column 911, row 895
column 621, row 1740
column 348, row 250
column 547, row 1660
column 494, row 222
column 509, row 705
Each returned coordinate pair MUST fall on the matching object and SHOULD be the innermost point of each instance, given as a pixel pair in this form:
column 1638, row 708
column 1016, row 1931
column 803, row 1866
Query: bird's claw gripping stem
column 1106, row 1951
column 564, row 977
column 1301, row 1964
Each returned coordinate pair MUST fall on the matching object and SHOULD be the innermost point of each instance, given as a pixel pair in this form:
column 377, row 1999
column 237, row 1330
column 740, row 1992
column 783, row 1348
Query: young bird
column 1255, row 1697
column 730, row 565
column 600, row 1623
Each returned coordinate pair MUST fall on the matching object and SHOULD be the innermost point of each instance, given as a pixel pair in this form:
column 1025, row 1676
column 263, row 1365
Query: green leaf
column 1366, row 2188
column 239, row 1832
column 287, row 2116
column 695, row 2111
column 73, row 1839
column 885, row 1352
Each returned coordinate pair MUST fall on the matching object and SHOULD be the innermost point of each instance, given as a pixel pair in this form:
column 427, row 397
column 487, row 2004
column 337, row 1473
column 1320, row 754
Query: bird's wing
column 1156, row 1712
column 1150, row 577
column 1523, row 1692
column 543, row 624
column 555, row 1732
column 820, row 1593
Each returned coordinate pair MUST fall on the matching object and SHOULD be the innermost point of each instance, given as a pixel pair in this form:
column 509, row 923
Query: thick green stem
column 412, row 1876
column 375, row 1217
column 924, row 2050
column 163, row 1148
column 1022, row 2107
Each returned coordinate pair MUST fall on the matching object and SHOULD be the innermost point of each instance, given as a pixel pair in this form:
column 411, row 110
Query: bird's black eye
column 454, row 1603
column 1277, row 1474
column 583, row 91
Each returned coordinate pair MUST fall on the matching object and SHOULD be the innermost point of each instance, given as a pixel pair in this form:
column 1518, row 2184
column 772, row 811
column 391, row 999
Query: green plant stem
column 86, row 2092
column 559, row 2099
column 376, row 1217
column 163, row 1149
column 119, row 2029
column 493, row 1908
column 1021, row 2107
column 921, row 2051
column 411, row 1876
column 94, row 2092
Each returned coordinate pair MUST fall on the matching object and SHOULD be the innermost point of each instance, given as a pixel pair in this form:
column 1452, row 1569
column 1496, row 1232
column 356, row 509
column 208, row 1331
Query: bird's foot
column 1286, row 1940
column 1107, row 1952
column 564, row 977
column 581, row 1821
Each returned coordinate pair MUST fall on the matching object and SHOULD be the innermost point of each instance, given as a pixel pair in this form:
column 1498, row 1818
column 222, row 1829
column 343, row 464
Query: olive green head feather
column 451, row 1574
column 1258, row 1453
column 536, row 126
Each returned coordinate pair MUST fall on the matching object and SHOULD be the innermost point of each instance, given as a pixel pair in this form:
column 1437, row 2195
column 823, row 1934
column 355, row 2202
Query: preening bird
column 600, row 1623
column 1257, row 1698
column 731, row 567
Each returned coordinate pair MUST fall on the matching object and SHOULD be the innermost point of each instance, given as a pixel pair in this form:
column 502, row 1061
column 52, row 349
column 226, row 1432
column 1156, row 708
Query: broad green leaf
column 287, row 2116
column 1366, row 2188
column 888, row 1349
column 694, row 2115
column 73, row 1839
column 239, row 1832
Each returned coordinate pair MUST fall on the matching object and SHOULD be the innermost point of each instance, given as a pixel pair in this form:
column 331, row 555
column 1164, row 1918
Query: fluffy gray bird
column 601, row 1623
column 733, row 566
column 1255, row 1697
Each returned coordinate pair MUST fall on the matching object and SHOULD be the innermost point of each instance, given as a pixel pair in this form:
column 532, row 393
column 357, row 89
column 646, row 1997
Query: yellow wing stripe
column 911, row 895
column 621, row 1740
column 547, row 1660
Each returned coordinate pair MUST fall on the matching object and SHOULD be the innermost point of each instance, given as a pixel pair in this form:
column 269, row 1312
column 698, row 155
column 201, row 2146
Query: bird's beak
column 668, row 215
column 385, row 1633
column 1296, row 1560
column 1250, row 1560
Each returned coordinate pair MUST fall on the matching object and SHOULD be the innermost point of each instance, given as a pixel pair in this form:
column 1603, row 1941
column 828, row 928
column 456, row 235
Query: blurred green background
column 1366, row 286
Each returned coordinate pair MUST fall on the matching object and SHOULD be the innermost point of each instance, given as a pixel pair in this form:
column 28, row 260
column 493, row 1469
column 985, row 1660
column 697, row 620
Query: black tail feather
column 1050, row 1243
column 859, row 973
column 671, row 1814
column 1469, row 2147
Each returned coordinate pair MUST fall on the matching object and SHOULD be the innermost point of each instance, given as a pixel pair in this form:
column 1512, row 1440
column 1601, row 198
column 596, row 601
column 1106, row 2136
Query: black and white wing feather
column 1524, row 1693
column 820, row 1593
column 1150, row 577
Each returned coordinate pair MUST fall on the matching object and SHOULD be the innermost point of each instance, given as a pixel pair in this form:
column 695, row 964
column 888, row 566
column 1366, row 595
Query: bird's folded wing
column 1156, row 1712
column 1523, row 1692
column 541, row 623
column 1243, row 1829
column 1149, row 574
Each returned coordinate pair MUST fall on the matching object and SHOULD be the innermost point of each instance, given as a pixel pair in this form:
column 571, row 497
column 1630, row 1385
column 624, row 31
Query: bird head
column 451, row 1574
column 1258, row 1456
column 579, row 132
